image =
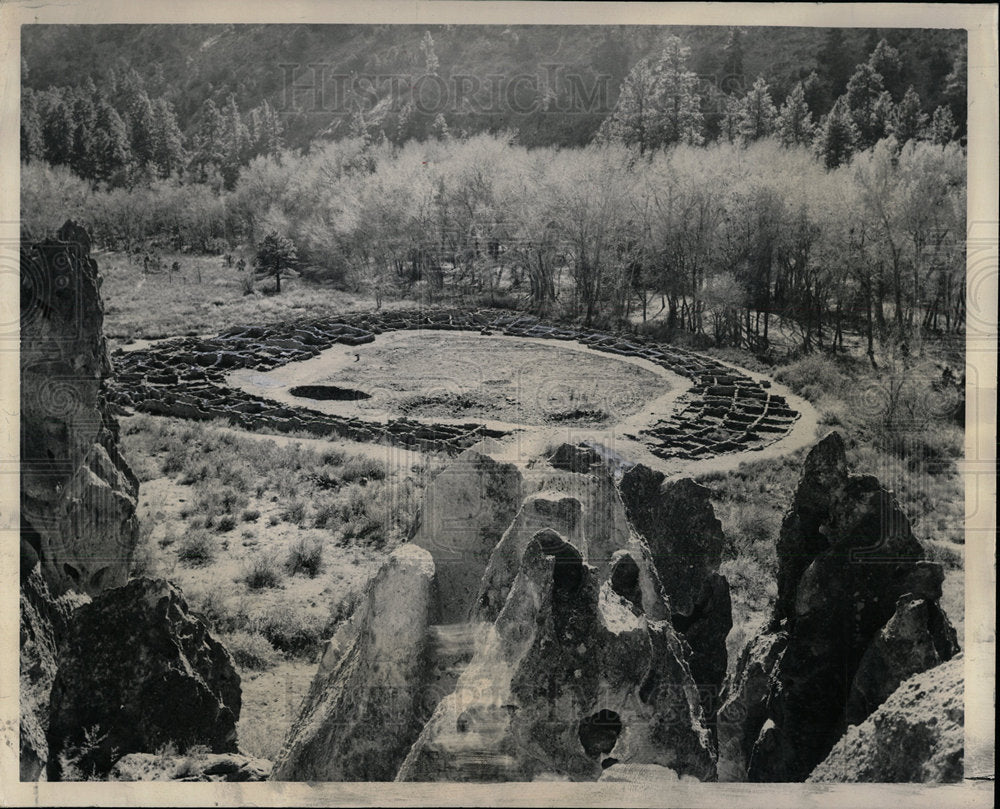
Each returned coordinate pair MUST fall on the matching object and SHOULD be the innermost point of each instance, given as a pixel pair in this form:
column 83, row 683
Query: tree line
column 118, row 135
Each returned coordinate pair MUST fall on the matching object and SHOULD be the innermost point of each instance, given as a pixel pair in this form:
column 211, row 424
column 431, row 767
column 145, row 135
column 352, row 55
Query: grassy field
column 271, row 541
column 203, row 297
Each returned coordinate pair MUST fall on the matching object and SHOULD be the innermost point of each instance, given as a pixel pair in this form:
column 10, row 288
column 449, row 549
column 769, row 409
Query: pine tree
column 84, row 131
column 908, row 121
column 209, row 149
column 168, row 141
column 869, row 105
column 439, row 129
column 942, row 128
column 32, row 142
column 757, row 114
column 235, row 143
column 795, row 124
column 58, row 127
column 956, row 89
column 885, row 61
column 142, row 130
column 276, row 257
column 682, row 120
column 111, row 150
column 837, row 135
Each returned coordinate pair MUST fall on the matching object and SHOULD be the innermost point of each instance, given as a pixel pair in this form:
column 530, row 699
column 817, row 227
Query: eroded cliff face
column 857, row 613
column 107, row 667
column 561, row 661
column 78, row 495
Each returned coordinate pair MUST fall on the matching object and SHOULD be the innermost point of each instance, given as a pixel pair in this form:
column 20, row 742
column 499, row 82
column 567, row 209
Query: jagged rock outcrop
column 137, row 671
column 465, row 511
column 916, row 735
column 570, row 679
column 78, row 495
column 195, row 766
column 686, row 541
column 366, row 704
column 587, row 512
column 854, row 590
column 917, row 637
column 43, row 625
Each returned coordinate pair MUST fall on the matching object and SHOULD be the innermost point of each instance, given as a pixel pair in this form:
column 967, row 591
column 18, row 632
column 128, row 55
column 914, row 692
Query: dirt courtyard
column 448, row 376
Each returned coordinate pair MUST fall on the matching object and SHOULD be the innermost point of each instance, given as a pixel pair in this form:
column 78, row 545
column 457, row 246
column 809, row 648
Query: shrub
column 294, row 512
column 251, row 650
column 227, row 522
column 361, row 467
column 197, row 548
column 305, row 556
column 261, row 572
column 294, row 631
column 251, row 515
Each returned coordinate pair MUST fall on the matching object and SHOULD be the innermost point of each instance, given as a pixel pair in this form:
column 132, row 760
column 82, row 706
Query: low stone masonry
column 724, row 411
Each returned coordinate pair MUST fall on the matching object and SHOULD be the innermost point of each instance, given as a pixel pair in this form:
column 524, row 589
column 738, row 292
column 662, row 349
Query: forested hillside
column 209, row 98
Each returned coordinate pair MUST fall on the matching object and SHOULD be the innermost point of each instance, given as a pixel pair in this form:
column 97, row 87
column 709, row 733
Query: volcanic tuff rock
column 857, row 612
column 366, row 704
column 465, row 511
column 686, row 541
column 569, row 679
column 917, row 734
column 78, row 495
column 43, row 626
column 137, row 671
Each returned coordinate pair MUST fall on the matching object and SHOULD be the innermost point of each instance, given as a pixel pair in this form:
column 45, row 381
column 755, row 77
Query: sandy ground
column 459, row 377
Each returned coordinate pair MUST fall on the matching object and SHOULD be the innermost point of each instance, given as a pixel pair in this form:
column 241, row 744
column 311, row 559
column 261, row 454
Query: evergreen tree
column 729, row 128
column 837, row 136
column 908, row 120
column 943, row 127
column 142, row 130
column 58, row 127
column 885, row 61
column 276, row 257
column 795, row 124
column 84, row 130
column 111, row 152
column 869, row 105
column 757, row 114
column 32, row 142
column 439, row 129
column 235, row 143
column 658, row 104
column 209, row 148
column 956, row 89
column 168, row 141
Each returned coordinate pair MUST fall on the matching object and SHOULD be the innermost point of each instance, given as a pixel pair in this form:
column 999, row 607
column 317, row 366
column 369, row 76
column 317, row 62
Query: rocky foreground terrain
column 569, row 622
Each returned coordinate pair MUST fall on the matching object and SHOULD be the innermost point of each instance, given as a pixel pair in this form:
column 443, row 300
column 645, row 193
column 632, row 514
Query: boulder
column 138, row 671
column 847, row 556
column 465, row 511
column 78, row 495
column 574, row 458
column 366, row 704
column 916, row 735
column 569, row 680
column 197, row 765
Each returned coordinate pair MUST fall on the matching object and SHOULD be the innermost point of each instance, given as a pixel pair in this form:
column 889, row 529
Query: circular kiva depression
column 449, row 376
